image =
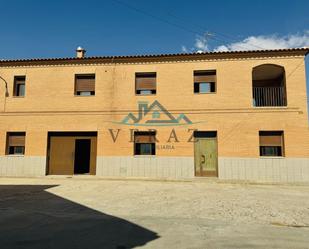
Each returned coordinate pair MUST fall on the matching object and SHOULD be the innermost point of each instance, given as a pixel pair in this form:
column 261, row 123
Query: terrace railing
column 269, row 96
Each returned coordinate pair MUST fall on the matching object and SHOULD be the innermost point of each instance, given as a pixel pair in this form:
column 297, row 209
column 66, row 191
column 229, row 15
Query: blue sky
column 55, row 28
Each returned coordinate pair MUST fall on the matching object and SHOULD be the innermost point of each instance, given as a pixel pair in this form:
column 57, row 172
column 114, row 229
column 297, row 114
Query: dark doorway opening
column 82, row 156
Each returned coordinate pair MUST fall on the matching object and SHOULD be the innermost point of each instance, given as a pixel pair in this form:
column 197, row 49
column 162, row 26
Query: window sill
column 270, row 107
column 272, row 157
column 84, row 95
column 14, row 155
column 144, row 156
column 18, row 97
column 145, row 95
column 205, row 93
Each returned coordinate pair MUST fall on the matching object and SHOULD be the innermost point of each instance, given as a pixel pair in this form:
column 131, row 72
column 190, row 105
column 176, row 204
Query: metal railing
column 269, row 96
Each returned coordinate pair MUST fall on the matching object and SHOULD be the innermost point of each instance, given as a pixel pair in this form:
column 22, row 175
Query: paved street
column 94, row 213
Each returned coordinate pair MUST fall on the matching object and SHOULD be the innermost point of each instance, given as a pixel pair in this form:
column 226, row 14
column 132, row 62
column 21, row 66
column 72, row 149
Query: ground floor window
column 15, row 143
column 271, row 143
column 144, row 143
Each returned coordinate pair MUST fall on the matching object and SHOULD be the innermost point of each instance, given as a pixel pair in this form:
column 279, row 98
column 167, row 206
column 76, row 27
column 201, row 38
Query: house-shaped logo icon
column 154, row 115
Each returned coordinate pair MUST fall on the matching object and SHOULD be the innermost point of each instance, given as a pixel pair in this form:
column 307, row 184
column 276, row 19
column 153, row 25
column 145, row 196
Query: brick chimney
column 80, row 52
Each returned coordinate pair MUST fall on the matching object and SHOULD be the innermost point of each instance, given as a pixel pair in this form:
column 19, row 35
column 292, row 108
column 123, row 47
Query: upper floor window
column 271, row 143
column 144, row 143
column 268, row 85
column 145, row 83
column 19, row 86
column 85, row 84
column 15, row 143
column 205, row 81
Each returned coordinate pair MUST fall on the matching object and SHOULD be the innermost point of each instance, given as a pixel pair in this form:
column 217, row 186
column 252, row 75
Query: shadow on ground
column 32, row 218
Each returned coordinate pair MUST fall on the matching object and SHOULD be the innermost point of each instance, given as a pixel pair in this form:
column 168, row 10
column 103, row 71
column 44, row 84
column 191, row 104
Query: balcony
column 269, row 96
column 268, row 85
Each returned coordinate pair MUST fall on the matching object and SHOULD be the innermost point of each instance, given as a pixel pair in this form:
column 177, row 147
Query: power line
column 193, row 31
column 211, row 31
column 209, row 34
column 155, row 17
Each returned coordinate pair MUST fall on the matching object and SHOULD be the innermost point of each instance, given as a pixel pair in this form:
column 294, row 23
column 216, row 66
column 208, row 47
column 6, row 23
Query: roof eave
column 114, row 59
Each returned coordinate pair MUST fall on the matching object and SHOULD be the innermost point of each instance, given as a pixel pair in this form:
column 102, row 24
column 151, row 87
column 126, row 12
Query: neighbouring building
column 238, row 115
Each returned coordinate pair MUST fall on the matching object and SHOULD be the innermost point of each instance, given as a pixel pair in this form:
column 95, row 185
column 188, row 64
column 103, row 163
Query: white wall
column 145, row 166
column 284, row 170
column 22, row 165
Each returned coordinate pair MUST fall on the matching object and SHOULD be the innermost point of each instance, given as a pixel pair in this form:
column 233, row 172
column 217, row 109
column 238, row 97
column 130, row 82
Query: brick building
column 232, row 115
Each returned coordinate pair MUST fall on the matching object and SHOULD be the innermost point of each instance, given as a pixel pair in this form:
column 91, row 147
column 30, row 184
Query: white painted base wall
column 273, row 170
column 145, row 166
column 22, row 166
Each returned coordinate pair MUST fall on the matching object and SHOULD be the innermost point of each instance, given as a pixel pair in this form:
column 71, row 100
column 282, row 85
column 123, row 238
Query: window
column 19, row 86
column 268, row 85
column 271, row 143
column 145, row 83
column 15, row 143
column 85, row 84
column 205, row 134
column 144, row 143
column 205, row 81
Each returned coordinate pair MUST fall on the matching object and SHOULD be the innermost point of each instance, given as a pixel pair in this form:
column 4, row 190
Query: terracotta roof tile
column 304, row 51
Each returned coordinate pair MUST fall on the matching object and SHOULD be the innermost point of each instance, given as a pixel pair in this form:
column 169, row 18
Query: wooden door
column 61, row 160
column 206, row 157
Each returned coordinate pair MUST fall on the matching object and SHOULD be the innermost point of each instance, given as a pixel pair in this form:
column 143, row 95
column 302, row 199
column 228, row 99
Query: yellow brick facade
column 50, row 105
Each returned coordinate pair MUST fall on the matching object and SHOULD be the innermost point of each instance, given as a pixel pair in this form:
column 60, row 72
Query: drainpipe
column 6, row 92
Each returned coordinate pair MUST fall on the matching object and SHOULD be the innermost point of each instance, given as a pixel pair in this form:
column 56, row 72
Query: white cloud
column 255, row 43
column 201, row 43
column 268, row 42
